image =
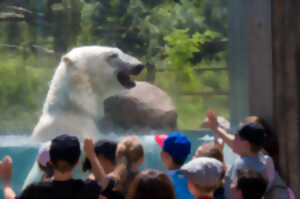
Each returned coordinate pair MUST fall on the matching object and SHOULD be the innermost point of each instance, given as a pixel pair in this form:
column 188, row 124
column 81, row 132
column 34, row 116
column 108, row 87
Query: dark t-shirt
column 70, row 189
column 110, row 193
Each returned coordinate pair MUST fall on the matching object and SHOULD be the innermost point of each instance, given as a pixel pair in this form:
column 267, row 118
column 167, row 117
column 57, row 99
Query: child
column 277, row 188
column 129, row 156
column 106, row 153
column 248, row 185
column 247, row 143
column 44, row 161
column 212, row 151
column 64, row 155
column 204, row 176
column 151, row 184
column 175, row 149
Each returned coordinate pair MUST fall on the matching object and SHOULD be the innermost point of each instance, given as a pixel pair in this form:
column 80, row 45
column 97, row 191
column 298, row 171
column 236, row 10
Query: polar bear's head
column 88, row 75
column 104, row 67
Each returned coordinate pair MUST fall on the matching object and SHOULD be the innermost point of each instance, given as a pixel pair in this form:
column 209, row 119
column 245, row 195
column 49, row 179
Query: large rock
column 144, row 106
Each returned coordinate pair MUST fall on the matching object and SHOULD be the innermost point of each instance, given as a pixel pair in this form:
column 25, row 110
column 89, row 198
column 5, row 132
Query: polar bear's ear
column 67, row 61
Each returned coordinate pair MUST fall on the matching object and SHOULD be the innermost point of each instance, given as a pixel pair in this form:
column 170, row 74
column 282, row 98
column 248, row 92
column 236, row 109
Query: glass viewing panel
column 183, row 44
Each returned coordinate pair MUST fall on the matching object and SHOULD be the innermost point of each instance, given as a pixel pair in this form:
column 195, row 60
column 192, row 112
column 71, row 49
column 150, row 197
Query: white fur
column 81, row 82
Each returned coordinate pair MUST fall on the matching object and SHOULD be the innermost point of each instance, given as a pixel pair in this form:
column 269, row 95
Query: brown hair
column 48, row 171
column 129, row 151
column 151, row 184
column 211, row 151
column 251, row 183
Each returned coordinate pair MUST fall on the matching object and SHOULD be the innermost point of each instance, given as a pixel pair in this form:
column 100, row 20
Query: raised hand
column 212, row 120
column 6, row 169
column 89, row 147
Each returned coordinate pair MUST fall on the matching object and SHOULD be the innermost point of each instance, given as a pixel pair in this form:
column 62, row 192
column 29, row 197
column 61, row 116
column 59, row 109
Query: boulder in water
column 144, row 106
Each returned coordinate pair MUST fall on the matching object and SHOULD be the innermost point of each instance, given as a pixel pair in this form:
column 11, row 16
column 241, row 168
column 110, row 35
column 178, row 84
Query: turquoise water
column 24, row 152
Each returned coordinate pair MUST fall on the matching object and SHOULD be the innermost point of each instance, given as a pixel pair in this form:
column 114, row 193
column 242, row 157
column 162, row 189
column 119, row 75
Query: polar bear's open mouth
column 124, row 76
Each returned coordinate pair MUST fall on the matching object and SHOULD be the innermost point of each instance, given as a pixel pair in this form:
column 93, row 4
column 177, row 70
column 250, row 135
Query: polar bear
column 83, row 79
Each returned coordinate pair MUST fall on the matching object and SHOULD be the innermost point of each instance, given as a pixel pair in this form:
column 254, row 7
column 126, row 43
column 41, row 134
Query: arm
column 212, row 123
column 97, row 168
column 219, row 144
column 6, row 174
column 8, row 192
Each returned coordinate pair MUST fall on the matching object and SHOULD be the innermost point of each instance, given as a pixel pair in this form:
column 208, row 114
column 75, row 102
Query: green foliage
column 177, row 37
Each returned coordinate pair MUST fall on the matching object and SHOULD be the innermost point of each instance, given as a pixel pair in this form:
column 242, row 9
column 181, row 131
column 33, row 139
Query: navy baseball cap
column 65, row 147
column 176, row 144
column 253, row 132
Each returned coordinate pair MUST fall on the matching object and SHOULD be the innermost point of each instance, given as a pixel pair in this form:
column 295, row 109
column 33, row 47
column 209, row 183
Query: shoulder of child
column 31, row 190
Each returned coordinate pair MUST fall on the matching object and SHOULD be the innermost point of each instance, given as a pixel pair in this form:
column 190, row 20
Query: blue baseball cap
column 176, row 144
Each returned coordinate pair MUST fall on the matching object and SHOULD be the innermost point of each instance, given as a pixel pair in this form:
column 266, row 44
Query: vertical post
column 237, row 61
column 261, row 87
column 286, row 67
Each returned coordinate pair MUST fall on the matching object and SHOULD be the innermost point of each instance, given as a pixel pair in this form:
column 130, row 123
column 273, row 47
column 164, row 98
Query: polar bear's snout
column 124, row 78
column 125, row 66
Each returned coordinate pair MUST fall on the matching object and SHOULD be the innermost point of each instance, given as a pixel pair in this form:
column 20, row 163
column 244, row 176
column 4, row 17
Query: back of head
column 209, row 150
column 151, row 184
column 251, row 183
column 129, row 152
column 178, row 146
column 205, row 173
column 64, row 152
column 44, row 160
column 107, row 149
column 131, row 149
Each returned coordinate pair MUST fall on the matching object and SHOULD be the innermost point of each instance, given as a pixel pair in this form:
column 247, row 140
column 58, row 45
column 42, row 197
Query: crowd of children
column 114, row 168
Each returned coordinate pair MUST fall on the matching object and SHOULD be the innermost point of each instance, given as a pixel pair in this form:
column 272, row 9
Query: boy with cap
column 247, row 143
column 64, row 155
column 175, row 149
column 106, row 153
column 204, row 176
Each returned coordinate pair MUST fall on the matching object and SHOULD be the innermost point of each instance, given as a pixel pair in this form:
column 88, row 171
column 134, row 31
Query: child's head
column 271, row 143
column 204, row 176
column 44, row 160
column 211, row 151
column 106, row 153
column 175, row 149
column 64, row 152
column 248, row 185
column 151, row 184
column 250, row 138
column 130, row 149
column 129, row 156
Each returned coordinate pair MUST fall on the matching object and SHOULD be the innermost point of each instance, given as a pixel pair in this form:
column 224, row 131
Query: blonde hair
column 129, row 152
